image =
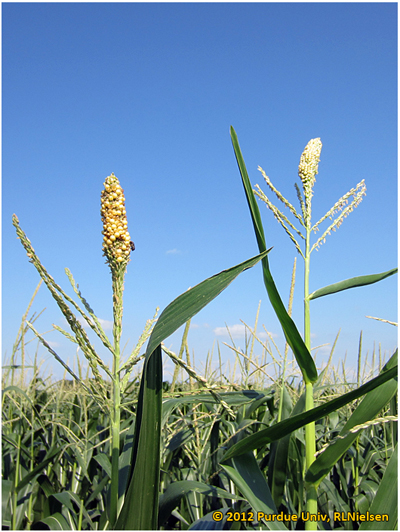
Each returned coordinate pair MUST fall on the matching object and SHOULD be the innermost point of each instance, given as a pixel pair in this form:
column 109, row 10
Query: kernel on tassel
column 116, row 241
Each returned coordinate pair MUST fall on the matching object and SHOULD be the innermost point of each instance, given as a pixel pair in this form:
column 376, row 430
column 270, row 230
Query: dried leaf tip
column 116, row 239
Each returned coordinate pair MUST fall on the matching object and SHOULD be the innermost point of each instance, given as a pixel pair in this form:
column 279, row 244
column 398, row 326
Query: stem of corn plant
column 80, row 515
column 308, row 168
column 312, row 506
column 116, row 247
column 117, row 284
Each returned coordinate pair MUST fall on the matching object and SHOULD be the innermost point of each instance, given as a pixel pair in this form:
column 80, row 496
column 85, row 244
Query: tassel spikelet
column 116, row 241
column 308, row 169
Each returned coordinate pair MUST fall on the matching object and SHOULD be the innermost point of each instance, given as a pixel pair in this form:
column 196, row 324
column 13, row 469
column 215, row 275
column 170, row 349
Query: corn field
column 267, row 441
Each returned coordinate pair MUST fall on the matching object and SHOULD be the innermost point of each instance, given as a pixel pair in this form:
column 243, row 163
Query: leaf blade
column 144, row 474
column 353, row 282
column 247, row 476
column 193, row 300
column 293, row 337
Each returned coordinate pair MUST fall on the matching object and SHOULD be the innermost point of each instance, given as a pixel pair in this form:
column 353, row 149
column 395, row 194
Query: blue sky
column 149, row 91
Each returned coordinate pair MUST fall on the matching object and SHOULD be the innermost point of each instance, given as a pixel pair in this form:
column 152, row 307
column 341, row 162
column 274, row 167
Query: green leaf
column 362, row 280
column 143, row 480
column 67, row 498
column 247, row 476
column 6, row 492
column 55, row 522
column 292, row 335
column 170, row 499
column 367, row 410
column 104, row 462
column 280, row 459
column 50, row 457
column 237, row 398
column 193, row 300
column 287, row 426
column 125, row 458
column 385, row 500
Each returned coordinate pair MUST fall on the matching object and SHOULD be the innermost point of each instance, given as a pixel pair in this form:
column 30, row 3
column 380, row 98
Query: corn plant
column 374, row 401
column 132, row 497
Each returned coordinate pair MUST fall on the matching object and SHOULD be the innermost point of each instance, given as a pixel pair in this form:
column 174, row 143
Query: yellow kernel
column 112, row 237
column 120, row 259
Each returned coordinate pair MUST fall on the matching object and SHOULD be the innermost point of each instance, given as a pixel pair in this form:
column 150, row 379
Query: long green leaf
column 143, row 478
column 367, row 410
column 385, row 501
column 362, row 280
column 247, row 476
column 287, row 426
column 303, row 356
column 140, row 508
column 193, row 300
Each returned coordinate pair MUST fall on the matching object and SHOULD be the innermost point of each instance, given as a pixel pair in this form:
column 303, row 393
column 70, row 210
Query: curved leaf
column 247, row 476
column 193, row 300
column 362, row 280
column 293, row 423
column 292, row 335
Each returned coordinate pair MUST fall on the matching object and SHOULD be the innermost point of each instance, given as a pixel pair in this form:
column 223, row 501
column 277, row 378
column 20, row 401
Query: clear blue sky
column 148, row 91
